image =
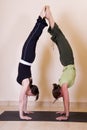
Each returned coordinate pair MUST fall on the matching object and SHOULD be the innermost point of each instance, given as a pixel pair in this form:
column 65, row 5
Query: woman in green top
column 67, row 60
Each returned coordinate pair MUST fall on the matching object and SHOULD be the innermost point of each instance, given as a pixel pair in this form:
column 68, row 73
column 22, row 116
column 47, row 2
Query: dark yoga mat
column 43, row 116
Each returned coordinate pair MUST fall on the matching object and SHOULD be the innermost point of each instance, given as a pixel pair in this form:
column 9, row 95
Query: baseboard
column 46, row 103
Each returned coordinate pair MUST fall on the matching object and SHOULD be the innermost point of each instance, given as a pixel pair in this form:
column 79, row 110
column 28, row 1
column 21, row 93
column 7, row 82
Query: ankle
column 51, row 22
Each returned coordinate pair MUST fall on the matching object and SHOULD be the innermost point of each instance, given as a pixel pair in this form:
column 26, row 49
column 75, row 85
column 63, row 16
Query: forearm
column 66, row 106
column 25, row 104
column 65, row 98
column 22, row 100
column 21, row 107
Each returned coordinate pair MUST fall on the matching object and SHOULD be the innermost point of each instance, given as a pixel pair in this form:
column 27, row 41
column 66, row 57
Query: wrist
column 67, row 116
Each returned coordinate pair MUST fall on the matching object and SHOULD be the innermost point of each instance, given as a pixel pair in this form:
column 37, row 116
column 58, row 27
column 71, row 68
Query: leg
column 28, row 52
column 65, row 50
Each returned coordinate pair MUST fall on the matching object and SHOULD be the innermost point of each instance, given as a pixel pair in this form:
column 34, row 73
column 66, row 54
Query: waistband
column 25, row 62
column 69, row 67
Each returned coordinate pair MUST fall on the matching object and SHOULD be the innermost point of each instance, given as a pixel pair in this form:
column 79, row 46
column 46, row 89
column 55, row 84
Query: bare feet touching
column 49, row 16
column 46, row 13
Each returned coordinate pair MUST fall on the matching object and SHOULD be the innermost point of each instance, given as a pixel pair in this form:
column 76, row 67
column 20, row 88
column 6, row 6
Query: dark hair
column 56, row 91
column 35, row 91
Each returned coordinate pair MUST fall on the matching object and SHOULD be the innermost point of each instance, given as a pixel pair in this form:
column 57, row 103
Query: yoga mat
column 43, row 116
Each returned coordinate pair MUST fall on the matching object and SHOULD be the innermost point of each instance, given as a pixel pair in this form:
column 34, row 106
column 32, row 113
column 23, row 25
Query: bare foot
column 43, row 13
column 48, row 12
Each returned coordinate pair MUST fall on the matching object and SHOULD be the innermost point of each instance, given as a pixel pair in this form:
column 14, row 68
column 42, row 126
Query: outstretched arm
column 23, row 99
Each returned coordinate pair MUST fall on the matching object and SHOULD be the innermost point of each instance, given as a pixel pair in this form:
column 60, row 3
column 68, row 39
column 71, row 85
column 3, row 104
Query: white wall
column 17, row 18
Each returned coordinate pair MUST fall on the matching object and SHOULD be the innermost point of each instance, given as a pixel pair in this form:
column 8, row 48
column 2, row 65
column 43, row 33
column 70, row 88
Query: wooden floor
column 25, row 125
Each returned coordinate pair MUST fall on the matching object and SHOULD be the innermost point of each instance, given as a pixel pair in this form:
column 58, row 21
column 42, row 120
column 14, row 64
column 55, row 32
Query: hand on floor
column 62, row 118
column 25, row 117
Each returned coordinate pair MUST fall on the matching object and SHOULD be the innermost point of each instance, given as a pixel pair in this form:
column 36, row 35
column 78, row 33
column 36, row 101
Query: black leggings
column 28, row 51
